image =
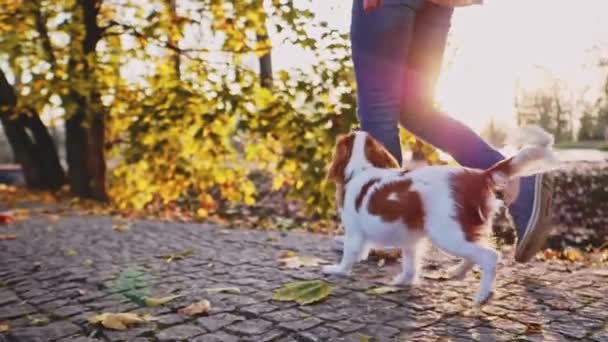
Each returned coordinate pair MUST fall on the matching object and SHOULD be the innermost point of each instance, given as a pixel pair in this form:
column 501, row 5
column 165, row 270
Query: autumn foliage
column 183, row 117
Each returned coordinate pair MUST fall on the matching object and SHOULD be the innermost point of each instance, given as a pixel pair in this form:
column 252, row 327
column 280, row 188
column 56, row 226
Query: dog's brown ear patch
column 342, row 154
column 398, row 201
column 378, row 155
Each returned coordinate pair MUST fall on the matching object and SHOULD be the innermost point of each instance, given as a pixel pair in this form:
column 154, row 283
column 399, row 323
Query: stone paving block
column 50, row 332
column 179, row 333
column 256, row 326
column 219, row 321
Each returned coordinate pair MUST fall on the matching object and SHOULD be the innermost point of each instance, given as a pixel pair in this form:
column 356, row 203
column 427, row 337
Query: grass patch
column 587, row 144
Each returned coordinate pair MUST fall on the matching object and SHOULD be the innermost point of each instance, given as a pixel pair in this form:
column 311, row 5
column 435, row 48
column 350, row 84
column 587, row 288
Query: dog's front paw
column 404, row 279
column 482, row 298
column 334, row 270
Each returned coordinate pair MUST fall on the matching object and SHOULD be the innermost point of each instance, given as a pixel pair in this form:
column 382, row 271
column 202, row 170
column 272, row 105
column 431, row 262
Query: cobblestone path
column 56, row 274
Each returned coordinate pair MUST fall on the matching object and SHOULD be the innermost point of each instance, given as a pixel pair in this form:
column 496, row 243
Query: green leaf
column 383, row 290
column 303, row 292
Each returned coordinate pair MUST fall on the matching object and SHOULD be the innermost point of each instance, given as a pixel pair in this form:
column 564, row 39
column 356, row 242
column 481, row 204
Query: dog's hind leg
column 451, row 239
column 460, row 270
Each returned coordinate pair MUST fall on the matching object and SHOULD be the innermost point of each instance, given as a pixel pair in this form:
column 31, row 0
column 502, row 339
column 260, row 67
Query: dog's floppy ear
column 378, row 155
column 340, row 158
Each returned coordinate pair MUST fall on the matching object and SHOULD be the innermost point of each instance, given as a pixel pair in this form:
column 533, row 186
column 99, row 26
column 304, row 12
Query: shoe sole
column 540, row 224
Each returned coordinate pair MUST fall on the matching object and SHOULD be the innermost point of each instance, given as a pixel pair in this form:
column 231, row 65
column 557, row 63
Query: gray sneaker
column 532, row 213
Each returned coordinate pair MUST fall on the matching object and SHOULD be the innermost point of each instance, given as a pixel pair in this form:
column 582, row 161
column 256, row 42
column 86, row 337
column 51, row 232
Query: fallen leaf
column 69, row 252
column 389, row 255
column 533, row 328
column 303, row 292
column 149, row 318
column 6, row 218
column 88, row 262
column 287, row 254
column 4, row 237
column 152, row 301
column 176, row 256
column 234, row 290
column 53, row 217
column 38, row 320
column 383, row 290
column 381, row 262
column 573, row 254
column 121, row 227
column 117, row 321
column 4, row 327
column 364, row 338
column 194, row 309
column 297, row 261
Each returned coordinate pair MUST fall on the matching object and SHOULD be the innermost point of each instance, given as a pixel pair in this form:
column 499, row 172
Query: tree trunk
column 265, row 61
column 265, row 65
column 35, row 152
column 86, row 125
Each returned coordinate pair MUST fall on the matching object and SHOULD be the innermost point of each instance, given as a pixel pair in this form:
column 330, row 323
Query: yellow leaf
column 117, row 321
column 278, row 182
column 202, row 212
column 198, row 308
column 38, row 320
column 573, row 254
column 152, row 301
column 297, row 261
column 249, row 200
column 69, row 252
column 364, row 338
column 121, row 227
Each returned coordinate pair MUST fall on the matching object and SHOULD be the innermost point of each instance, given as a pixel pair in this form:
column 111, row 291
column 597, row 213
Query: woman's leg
column 380, row 46
column 531, row 209
column 418, row 113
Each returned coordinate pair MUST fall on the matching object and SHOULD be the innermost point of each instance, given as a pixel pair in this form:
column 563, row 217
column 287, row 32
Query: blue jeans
column 397, row 52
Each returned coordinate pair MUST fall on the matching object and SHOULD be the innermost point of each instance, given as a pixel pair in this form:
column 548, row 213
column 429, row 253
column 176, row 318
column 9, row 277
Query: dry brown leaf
column 4, row 237
column 4, row 327
column 118, row 321
column 6, row 218
column 194, row 309
column 53, row 217
column 533, row 328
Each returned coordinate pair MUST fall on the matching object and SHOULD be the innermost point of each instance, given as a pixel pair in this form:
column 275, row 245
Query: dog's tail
column 536, row 156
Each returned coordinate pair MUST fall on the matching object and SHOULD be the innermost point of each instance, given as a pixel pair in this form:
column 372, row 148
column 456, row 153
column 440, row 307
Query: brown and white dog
column 381, row 205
